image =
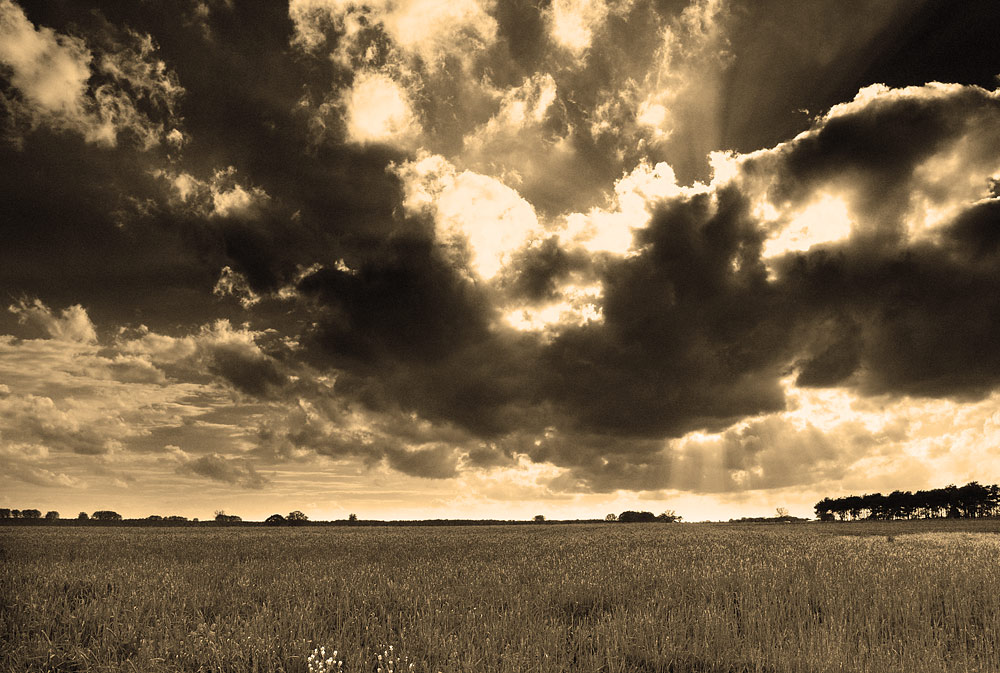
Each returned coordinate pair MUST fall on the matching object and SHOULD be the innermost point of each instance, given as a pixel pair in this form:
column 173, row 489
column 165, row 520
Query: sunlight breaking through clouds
column 580, row 253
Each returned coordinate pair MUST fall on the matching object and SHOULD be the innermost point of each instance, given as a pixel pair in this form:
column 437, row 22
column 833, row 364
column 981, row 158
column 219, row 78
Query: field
column 707, row 598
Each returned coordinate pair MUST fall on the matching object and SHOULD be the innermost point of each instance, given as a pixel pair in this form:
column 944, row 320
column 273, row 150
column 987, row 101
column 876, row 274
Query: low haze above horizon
column 489, row 259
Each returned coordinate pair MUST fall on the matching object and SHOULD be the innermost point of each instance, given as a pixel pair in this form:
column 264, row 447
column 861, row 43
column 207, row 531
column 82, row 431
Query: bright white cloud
column 612, row 229
column 576, row 305
column 378, row 110
column 572, row 23
column 825, row 220
column 472, row 212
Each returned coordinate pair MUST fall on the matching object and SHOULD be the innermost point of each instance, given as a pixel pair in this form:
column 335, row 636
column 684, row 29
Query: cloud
column 438, row 462
column 377, row 109
column 478, row 218
column 21, row 462
column 572, row 23
column 50, row 69
column 235, row 471
column 425, row 29
column 73, row 323
column 69, row 427
column 62, row 84
column 232, row 354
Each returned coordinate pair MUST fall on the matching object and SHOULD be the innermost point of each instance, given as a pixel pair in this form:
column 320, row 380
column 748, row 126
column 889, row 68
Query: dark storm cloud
column 536, row 271
column 692, row 335
column 925, row 316
column 909, row 316
column 251, row 373
column 234, row 471
column 438, row 462
column 405, row 302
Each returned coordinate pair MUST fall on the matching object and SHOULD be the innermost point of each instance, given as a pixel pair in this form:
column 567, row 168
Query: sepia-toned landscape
column 499, row 336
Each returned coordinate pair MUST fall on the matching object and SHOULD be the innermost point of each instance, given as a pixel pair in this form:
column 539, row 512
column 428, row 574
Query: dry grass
column 609, row 598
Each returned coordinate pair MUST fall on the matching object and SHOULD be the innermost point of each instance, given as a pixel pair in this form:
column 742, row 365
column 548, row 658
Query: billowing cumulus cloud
column 578, row 251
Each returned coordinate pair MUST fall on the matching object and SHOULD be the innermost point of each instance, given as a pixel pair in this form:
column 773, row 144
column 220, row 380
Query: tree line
column 99, row 515
column 972, row 501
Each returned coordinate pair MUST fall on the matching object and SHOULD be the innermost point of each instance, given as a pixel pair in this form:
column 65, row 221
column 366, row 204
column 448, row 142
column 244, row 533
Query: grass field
column 921, row 596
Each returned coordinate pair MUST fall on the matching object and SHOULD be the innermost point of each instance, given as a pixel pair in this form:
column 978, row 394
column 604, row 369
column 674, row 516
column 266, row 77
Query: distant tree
column 154, row 517
column 222, row 517
column 670, row 516
column 539, row 518
column 4, row 513
column 31, row 514
column 824, row 510
column 781, row 512
column 51, row 515
column 636, row 517
column 275, row 520
column 353, row 518
column 82, row 516
column 611, row 517
column 296, row 517
column 177, row 517
column 15, row 514
column 106, row 515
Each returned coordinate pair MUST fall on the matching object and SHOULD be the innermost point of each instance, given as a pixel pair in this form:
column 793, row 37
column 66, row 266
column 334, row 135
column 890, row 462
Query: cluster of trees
column 222, row 517
column 670, row 516
column 7, row 513
column 971, row 501
column 293, row 519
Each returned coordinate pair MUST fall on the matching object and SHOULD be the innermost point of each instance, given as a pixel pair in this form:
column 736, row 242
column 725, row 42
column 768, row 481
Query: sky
column 496, row 258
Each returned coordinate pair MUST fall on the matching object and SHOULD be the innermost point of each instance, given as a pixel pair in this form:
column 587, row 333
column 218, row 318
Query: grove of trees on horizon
column 972, row 501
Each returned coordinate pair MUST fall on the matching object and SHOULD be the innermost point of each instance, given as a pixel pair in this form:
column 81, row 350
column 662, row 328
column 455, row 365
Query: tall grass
column 609, row 598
